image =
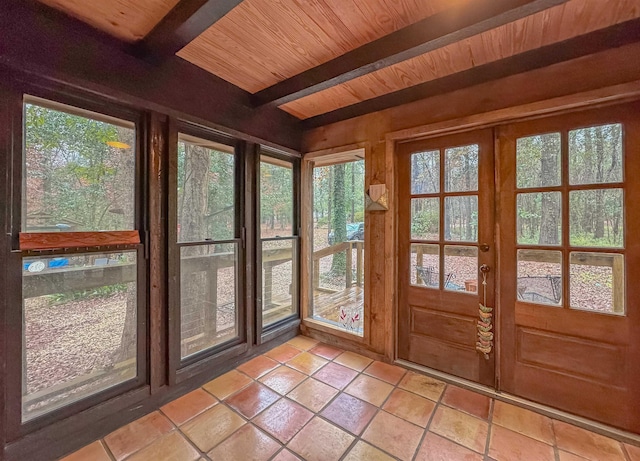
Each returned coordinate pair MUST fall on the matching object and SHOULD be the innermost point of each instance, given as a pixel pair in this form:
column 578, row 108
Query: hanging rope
column 485, row 322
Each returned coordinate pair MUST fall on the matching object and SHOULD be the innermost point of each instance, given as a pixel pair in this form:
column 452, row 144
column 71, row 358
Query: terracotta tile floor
column 310, row 401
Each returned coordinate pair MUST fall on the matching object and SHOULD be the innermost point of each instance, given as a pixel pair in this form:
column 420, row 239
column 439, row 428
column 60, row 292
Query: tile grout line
column 433, row 414
column 487, row 442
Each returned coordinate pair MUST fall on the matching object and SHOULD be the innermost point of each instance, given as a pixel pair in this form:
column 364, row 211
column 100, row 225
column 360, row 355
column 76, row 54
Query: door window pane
column 79, row 170
column 538, row 161
column 596, row 218
column 80, row 327
column 540, row 277
column 425, row 172
column 425, row 265
column 276, row 198
column 539, row 218
column 461, row 169
column 278, row 280
column 461, row 218
column 425, row 218
column 595, row 155
column 597, row 282
column 206, row 190
column 461, row 268
column 208, row 296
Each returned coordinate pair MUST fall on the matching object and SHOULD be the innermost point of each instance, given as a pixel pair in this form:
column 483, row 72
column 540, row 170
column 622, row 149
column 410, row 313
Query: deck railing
column 347, row 247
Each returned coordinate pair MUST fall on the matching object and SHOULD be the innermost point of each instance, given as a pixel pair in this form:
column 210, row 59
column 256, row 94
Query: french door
column 445, row 225
column 569, row 247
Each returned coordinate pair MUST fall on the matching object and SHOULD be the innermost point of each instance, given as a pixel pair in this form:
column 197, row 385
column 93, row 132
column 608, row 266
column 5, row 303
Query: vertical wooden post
column 161, row 140
column 211, row 309
column 359, row 263
column 267, row 286
column 618, row 283
column 349, row 265
column 316, row 275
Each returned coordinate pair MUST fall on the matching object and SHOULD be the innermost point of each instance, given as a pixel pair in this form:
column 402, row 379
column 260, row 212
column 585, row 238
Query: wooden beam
column 593, row 42
column 187, row 20
column 41, row 45
column 431, row 33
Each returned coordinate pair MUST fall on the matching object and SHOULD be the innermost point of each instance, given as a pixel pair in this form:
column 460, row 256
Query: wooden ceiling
column 315, row 57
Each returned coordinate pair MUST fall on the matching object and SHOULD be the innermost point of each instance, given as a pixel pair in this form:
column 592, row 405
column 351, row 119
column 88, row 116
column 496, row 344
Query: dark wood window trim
column 36, row 244
column 183, row 369
column 264, row 334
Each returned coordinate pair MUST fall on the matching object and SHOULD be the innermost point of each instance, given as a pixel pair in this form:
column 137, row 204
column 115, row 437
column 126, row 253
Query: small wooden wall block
column 53, row 240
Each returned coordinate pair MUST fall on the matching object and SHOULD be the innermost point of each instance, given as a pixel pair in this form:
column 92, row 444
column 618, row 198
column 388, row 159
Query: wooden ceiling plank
column 187, row 20
column 431, row 33
column 599, row 40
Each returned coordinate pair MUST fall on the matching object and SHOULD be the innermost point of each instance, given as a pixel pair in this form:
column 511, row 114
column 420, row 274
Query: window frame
column 120, row 395
column 182, row 369
column 564, row 124
column 264, row 334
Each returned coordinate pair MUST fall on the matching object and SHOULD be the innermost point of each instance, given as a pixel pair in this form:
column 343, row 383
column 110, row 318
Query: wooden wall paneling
column 541, row 29
column 100, row 66
column 158, row 144
column 289, row 38
column 391, row 87
column 449, row 26
column 128, row 20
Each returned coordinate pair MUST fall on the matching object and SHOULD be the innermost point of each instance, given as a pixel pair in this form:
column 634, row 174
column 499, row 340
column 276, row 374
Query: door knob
column 484, row 247
column 484, row 268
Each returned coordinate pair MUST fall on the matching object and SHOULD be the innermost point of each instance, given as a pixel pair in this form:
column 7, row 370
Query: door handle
column 484, row 247
column 485, row 269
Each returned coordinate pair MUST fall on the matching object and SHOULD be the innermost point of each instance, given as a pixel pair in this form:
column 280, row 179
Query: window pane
column 425, row 218
column 597, row 282
column 79, row 172
column 461, row 169
column 539, row 218
column 540, row 277
column 279, row 282
column 208, row 304
column 206, row 190
column 276, row 198
column 596, row 218
column 425, row 265
column 595, row 155
column 461, row 268
column 461, row 218
column 425, row 172
column 538, row 161
column 80, row 327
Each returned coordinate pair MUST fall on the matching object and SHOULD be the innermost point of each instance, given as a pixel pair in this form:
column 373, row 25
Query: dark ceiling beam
column 42, row 44
column 593, row 42
column 187, row 20
column 429, row 34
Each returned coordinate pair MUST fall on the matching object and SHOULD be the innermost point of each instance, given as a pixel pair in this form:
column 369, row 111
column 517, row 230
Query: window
column 444, row 182
column 207, row 244
column 80, row 301
column 279, row 242
column 570, row 221
column 338, row 244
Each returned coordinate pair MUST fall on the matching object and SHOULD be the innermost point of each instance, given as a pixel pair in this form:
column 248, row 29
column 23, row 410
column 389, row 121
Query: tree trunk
column 338, row 264
column 550, row 207
column 599, row 207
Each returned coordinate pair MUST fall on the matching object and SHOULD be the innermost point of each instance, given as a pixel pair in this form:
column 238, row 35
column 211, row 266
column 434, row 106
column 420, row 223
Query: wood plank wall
column 600, row 77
